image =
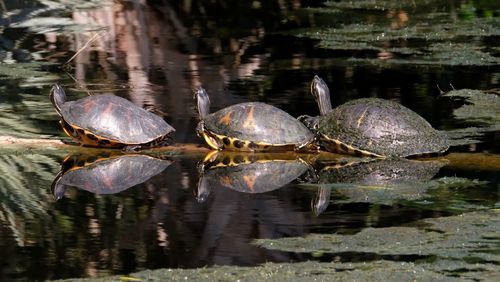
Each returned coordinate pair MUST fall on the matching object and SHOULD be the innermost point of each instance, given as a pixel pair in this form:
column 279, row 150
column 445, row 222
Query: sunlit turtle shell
column 379, row 127
column 104, row 174
column 248, row 173
column 109, row 121
column 374, row 127
column 250, row 126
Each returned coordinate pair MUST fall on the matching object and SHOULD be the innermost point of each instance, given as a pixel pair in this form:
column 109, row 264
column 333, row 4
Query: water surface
column 155, row 54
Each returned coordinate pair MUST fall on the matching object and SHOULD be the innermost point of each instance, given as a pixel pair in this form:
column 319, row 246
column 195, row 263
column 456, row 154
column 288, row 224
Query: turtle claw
column 69, row 142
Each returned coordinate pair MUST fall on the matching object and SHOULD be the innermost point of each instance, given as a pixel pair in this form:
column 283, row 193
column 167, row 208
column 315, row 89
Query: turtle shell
column 380, row 128
column 106, row 175
column 250, row 173
column 111, row 121
column 255, row 126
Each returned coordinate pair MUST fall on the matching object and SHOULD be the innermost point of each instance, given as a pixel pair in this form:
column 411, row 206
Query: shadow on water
column 192, row 210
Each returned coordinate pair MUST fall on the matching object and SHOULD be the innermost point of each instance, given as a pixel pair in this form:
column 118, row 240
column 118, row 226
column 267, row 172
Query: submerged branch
column 40, row 144
column 11, row 140
column 466, row 161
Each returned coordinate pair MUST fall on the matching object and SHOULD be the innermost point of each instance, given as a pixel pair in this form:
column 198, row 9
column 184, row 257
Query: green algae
column 456, row 237
column 376, row 5
column 462, row 243
column 480, row 111
column 406, row 33
column 457, row 248
column 303, row 271
column 439, row 46
column 422, row 193
column 480, row 107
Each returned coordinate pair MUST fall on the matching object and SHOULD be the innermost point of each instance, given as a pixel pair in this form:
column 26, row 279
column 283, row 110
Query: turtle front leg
column 310, row 146
column 310, row 122
column 211, row 140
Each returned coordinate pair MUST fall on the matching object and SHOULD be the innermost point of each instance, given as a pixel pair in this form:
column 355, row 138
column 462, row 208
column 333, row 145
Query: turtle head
column 321, row 94
column 202, row 102
column 310, row 122
column 57, row 97
column 203, row 190
column 57, row 188
column 322, row 200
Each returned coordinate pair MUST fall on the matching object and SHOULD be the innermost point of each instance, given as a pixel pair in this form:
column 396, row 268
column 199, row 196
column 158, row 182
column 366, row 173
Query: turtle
column 248, row 173
column 106, row 173
column 109, row 121
column 359, row 178
column 251, row 126
column 372, row 127
column 378, row 172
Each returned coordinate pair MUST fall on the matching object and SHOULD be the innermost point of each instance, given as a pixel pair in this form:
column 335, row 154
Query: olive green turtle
column 372, row 127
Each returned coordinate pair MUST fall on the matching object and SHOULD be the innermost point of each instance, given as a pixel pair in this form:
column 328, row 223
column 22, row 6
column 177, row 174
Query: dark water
column 154, row 55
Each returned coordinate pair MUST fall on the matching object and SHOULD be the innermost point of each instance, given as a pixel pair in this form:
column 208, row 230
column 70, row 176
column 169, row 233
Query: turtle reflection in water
column 394, row 174
column 248, row 173
column 106, row 174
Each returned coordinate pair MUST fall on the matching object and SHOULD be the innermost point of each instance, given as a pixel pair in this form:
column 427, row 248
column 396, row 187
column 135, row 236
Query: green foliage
column 24, row 115
column 24, row 180
column 76, row 4
column 41, row 21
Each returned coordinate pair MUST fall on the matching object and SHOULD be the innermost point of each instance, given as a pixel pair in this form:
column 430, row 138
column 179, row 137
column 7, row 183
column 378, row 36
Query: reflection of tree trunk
column 232, row 217
column 150, row 47
column 142, row 40
column 132, row 40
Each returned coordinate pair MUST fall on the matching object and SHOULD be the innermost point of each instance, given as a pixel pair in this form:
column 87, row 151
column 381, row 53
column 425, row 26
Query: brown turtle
column 250, row 126
column 109, row 121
